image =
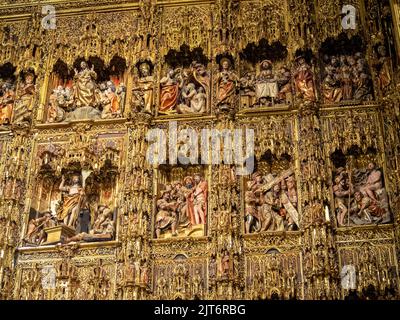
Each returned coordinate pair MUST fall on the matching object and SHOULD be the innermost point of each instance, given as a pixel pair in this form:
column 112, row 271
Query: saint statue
column 144, row 274
column 143, row 89
column 197, row 284
column 72, row 202
column 85, row 86
column 6, row 103
column 225, row 265
column 162, row 286
column 266, row 84
column 24, row 101
column 384, row 73
column 170, row 85
column 227, row 81
column 304, row 80
column 200, row 199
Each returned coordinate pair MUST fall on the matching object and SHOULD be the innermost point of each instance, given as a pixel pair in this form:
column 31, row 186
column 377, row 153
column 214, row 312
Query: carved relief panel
column 358, row 179
column 182, row 202
column 88, row 90
column 76, row 180
column 185, row 83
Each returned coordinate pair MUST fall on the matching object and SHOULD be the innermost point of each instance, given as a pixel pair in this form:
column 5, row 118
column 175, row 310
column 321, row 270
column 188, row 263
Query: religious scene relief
column 85, row 93
column 182, row 204
column 76, row 199
column 266, row 79
column 346, row 72
column 143, row 89
column 360, row 194
column 185, row 85
column 271, row 201
column 383, row 68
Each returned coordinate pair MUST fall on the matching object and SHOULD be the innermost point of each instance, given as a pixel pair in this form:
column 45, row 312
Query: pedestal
column 58, row 234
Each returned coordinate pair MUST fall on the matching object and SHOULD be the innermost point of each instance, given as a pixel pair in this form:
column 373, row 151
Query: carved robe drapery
column 6, row 107
column 226, row 89
column 169, row 97
column 304, row 81
column 71, row 202
column 85, row 88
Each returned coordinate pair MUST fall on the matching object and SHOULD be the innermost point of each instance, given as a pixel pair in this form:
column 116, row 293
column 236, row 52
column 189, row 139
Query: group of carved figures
column 346, row 78
column 360, row 196
column 271, row 203
column 269, row 88
column 224, row 265
column 185, row 90
column 182, row 206
column 74, row 211
column 16, row 106
column 188, row 90
column 266, row 88
column 86, row 98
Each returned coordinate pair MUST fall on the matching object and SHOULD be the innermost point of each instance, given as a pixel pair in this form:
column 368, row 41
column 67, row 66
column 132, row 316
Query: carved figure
column 84, row 92
column 72, row 201
column 24, row 100
column 304, row 80
column 266, row 84
column 6, row 103
column 227, row 82
column 170, row 86
column 143, row 89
